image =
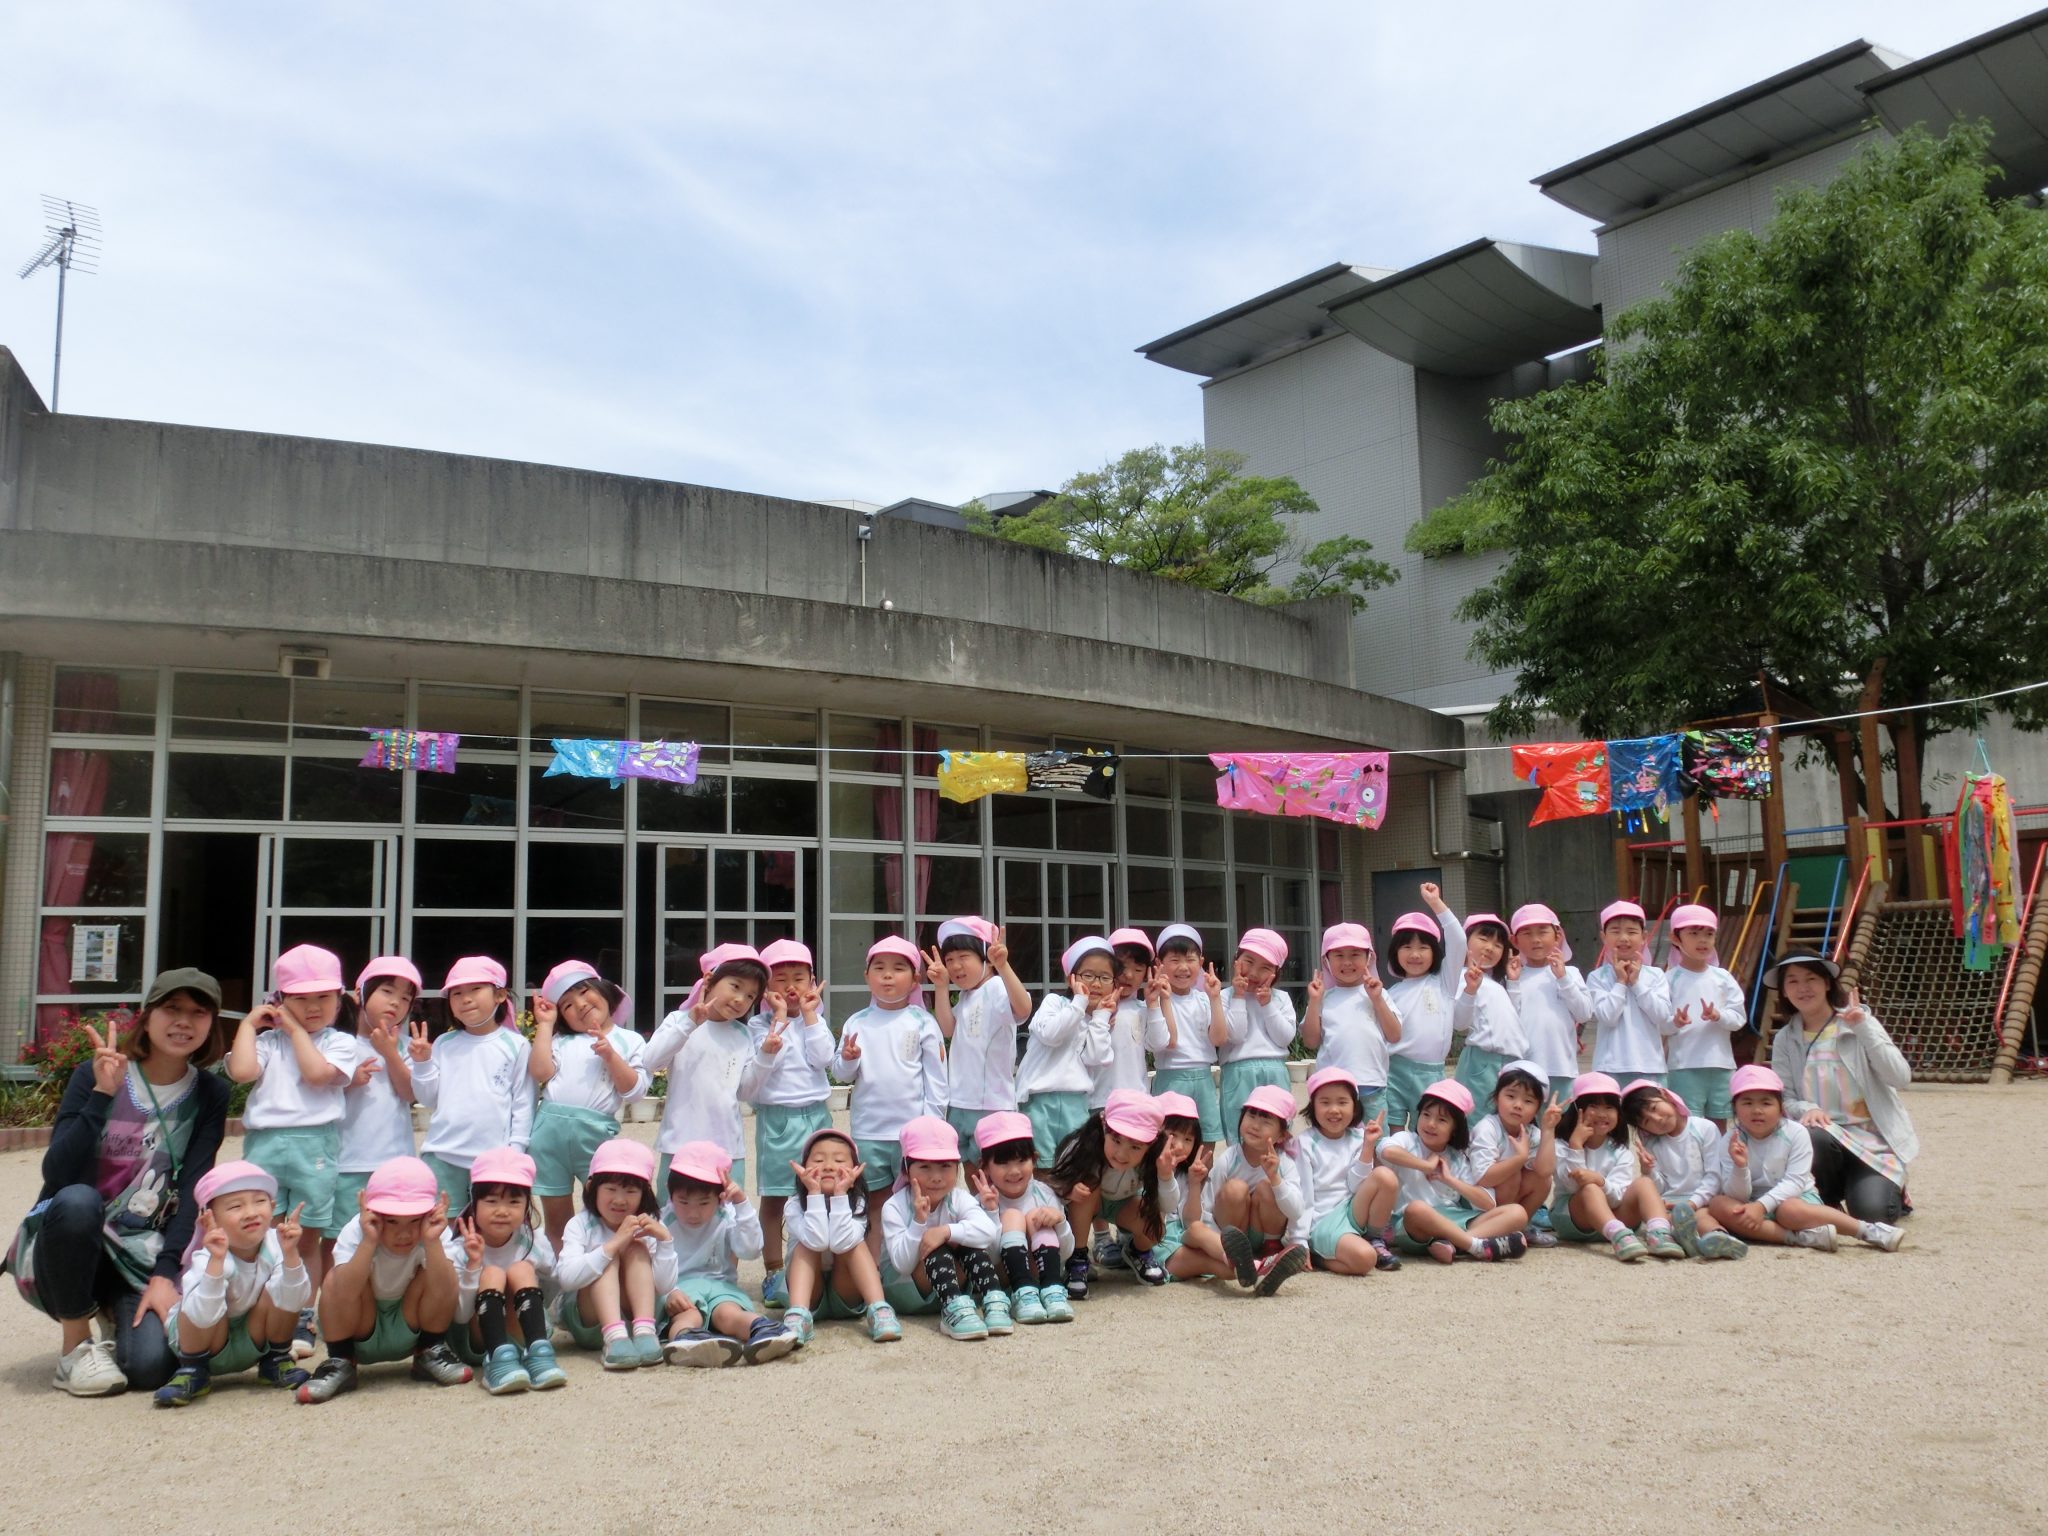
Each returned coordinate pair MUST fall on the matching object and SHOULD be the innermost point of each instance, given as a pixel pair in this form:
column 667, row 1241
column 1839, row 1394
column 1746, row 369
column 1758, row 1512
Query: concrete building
column 196, row 626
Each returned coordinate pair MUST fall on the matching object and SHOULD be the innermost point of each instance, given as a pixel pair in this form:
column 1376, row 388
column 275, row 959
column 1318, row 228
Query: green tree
column 1192, row 514
column 1820, row 460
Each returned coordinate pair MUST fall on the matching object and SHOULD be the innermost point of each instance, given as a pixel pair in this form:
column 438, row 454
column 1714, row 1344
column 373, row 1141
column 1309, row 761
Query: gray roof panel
column 1477, row 310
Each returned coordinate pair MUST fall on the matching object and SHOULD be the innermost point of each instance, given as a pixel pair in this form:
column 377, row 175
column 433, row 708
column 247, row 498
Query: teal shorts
column 1199, row 1084
column 901, row 1292
column 1704, row 1089
column 883, row 1159
column 1461, row 1215
column 780, row 1131
column 348, row 1191
column 1567, row 1230
column 708, row 1293
column 591, row 1335
column 1171, row 1241
column 393, row 1338
column 305, row 1162
column 454, row 1181
column 564, row 1138
column 1331, row 1228
column 1480, row 1070
column 1054, row 1117
column 237, row 1354
column 1561, row 1089
column 737, row 1173
column 1405, row 1081
column 1239, row 1079
column 964, row 1120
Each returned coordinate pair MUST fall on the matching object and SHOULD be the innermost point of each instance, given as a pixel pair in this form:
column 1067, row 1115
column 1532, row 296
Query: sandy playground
column 1790, row 1391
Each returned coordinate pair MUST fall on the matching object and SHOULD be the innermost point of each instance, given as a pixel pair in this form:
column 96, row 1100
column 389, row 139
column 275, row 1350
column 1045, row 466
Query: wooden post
column 1774, row 806
column 1624, row 868
column 2019, row 1007
column 1696, row 854
column 1873, row 764
column 1853, row 835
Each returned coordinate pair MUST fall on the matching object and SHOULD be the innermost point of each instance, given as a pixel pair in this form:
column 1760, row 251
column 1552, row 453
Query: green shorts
column 393, row 1338
column 901, row 1292
column 564, row 1138
column 883, row 1160
column 780, row 1131
column 1460, row 1215
column 1054, row 1117
column 737, row 1173
column 1567, row 1230
column 1704, row 1089
column 237, row 1354
column 304, row 1162
column 1171, row 1241
column 1199, row 1084
column 1239, row 1079
column 1405, row 1081
column 1479, row 1070
column 453, row 1180
column 348, row 1190
column 591, row 1335
column 1331, row 1228
column 708, row 1293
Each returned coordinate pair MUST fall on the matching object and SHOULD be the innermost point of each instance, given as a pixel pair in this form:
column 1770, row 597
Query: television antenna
column 72, row 244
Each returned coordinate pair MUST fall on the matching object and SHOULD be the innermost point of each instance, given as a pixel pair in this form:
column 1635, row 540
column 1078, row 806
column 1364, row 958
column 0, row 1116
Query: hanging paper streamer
column 966, row 776
column 1982, row 864
column 1573, row 776
column 672, row 762
column 1644, row 779
column 1727, row 765
column 1089, row 773
column 424, row 751
column 1346, row 787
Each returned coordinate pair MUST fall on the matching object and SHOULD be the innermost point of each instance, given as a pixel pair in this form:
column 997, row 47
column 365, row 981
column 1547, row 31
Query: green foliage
column 1191, row 514
column 1825, row 447
column 54, row 1060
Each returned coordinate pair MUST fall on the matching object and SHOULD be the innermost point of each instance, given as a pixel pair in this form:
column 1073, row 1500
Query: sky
column 814, row 250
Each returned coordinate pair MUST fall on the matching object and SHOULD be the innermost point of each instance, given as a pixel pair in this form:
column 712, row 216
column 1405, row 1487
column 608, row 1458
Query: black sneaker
column 332, row 1379
column 1144, row 1266
column 1384, row 1257
column 187, row 1385
column 1077, row 1276
column 1243, row 1257
column 275, row 1368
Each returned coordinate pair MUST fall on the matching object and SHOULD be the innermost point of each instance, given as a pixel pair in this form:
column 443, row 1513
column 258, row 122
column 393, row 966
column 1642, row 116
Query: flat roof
column 1261, row 326
column 1811, row 101
column 2000, row 75
column 1479, row 309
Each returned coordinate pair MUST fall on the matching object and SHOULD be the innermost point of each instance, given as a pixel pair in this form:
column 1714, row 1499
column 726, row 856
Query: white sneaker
column 1882, row 1234
column 1822, row 1238
column 89, row 1371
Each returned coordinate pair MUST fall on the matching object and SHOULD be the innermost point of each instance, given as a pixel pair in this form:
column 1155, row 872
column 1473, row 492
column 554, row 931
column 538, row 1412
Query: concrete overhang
column 2001, row 76
column 1477, row 310
column 1286, row 316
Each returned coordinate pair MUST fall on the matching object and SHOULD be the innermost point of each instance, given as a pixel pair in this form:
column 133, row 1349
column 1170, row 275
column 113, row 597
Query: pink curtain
column 889, row 814
column 85, row 702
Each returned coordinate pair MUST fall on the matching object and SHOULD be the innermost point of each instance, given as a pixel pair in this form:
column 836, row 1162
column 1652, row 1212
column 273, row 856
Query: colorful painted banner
column 1643, row 776
column 672, row 762
column 967, row 776
column 1573, row 776
column 1346, row 787
column 423, row 751
column 1087, row 773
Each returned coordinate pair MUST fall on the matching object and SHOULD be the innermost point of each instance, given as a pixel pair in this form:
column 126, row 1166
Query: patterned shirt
column 1827, row 1083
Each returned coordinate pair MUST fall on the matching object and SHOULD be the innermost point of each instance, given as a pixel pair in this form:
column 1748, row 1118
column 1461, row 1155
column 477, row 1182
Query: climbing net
column 1941, row 1016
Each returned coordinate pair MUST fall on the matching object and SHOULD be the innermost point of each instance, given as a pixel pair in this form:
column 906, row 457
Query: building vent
column 303, row 661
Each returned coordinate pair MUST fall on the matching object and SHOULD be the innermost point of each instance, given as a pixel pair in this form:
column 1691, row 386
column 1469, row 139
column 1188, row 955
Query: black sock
column 1045, row 1259
column 490, row 1319
column 981, row 1275
column 1016, row 1266
column 428, row 1338
column 342, row 1349
column 189, row 1361
column 943, row 1273
column 532, row 1314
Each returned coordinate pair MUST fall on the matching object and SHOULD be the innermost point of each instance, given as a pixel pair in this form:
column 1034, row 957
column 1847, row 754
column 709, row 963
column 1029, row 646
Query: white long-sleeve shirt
column 528, row 1246
column 582, row 1081
column 1287, row 1191
column 1037, row 1196
column 1612, row 1160
column 1417, row 1185
column 1067, row 1045
column 207, row 1298
column 1703, row 1043
column 717, row 1247
column 1780, row 1166
column 1126, row 1065
column 376, row 1124
column 1257, row 1031
column 825, row 1224
column 902, row 1233
column 1688, row 1163
column 1489, row 1020
column 1353, row 1038
column 899, row 1074
column 794, row 1076
column 1191, row 1047
column 1630, row 1022
column 1329, row 1169
column 1425, row 1002
column 281, row 1098
column 705, row 1063
column 1490, row 1143
column 390, row 1273
column 477, row 1093
column 583, row 1257
column 1552, row 1009
column 981, row 1060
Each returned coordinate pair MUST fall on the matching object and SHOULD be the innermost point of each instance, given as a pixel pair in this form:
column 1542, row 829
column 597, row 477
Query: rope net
column 1941, row 1016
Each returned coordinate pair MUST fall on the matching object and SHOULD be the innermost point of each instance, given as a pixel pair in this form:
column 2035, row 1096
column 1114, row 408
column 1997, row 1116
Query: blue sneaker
column 1109, row 1250
column 702, row 1347
column 1026, row 1305
column 768, row 1340
column 186, row 1386
column 620, row 1354
column 1541, row 1218
column 960, row 1320
column 543, row 1372
column 800, row 1321
column 647, row 1345
column 1054, row 1299
column 775, row 1291
column 882, row 1325
column 995, row 1313
column 505, row 1372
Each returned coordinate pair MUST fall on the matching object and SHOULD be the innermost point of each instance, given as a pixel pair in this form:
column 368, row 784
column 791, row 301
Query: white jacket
column 1287, row 1192
column 1417, row 1185
column 1257, row 1031
column 1353, row 1039
column 1037, row 1196
column 732, row 1234
column 581, row 1081
column 1126, row 1065
column 1191, row 1047
column 1329, row 1169
column 475, row 1089
column 1552, row 1009
column 899, row 1074
column 795, row 1075
column 1701, row 1043
column 1425, row 1002
column 1688, row 1163
column 705, row 1064
column 1490, row 1143
column 583, row 1257
column 208, row 1298
column 1631, row 1022
column 1780, row 1166
column 1068, row 1045
column 825, row 1224
column 530, row 1247
column 1488, row 1020
column 981, row 1058
column 1874, row 1064
column 1614, row 1161
column 281, row 1099
column 970, row 1226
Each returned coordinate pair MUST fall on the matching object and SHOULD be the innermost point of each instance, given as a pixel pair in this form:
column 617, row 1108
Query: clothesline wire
column 357, row 732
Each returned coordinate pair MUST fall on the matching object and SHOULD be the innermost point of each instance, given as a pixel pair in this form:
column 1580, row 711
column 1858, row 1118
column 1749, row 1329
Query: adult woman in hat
column 1843, row 1078
column 138, row 1125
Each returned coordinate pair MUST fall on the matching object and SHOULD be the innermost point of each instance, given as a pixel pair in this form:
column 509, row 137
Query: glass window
column 597, row 715
column 850, row 943
column 223, row 706
column 1203, row 896
column 1289, row 903
column 327, row 872
column 948, row 887
column 216, row 786
column 485, row 718
column 581, row 877
column 463, row 872
column 1290, row 843
column 1201, row 835
column 553, row 939
column 330, row 711
column 107, row 701
column 1022, row 895
column 940, row 820
column 1020, row 821
column 686, row 879
column 335, row 789
column 1251, row 900
column 1148, row 830
column 1253, row 839
column 1086, row 826
column 1326, row 847
column 438, row 942
column 67, row 948
column 573, row 804
column 866, row 744
column 96, row 869
column 476, row 794
column 1152, row 894
column 754, row 730
column 1087, row 893
column 85, row 781
column 1147, row 775
column 698, row 807
column 868, row 812
column 772, row 878
column 930, row 740
column 775, row 807
column 682, row 720
column 1196, row 777
column 684, row 940
column 867, row 882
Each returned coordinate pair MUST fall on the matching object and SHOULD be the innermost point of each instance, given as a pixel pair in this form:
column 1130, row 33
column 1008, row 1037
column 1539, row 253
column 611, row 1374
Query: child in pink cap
column 1428, row 952
column 1602, row 1186
column 830, row 1269
column 711, row 1321
column 1349, row 1023
column 1069, row 1042
column 981, row 1028
column 1707, row 1011
column 1766, row 1167
column 1550, row 995
column 1334, row 1160
column 1036, row 1237
column 1127, row 1067
column 1444, row 1211
column 376, row 1120
column 892, row 1053
column 394, row 1289
column 1684, row 1162
column 618, row 1261
column 707, row 1050
column 1185, row 1025
column 1483, row 1013
column 936, row 1237
column 505, row 1277
column 243, row 1287
column 1108, row 1167
column 1259, row 1023
column 1631, row 999
column 1514, row 1149
column 298, row 1048
column 474, row 1080
column 588, row 1067
column 786, row 1082
column 1188, row 1247
column 1254, row 1199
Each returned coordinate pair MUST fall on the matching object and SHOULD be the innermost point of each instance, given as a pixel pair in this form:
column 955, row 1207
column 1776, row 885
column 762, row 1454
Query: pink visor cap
column 1133, row 936
column 474, row 970
column 1530, row 914
column 1755, row 1079
column 1615, row 909
column 622, row 1155
column 233, row 1179
column 1695, row 917
column 928, row 1139
column 1347, row 936
column 1174, row 1106
column 395, row 966
column 1082, row 948
column 1004, row 1125
column 502, row 1165
column 306, row 968
column 1133, row 1115
column 705, row 1161
column 404, row 1186
column 725, row 954
column 980, row 929
column 1266, row 944
column 1451, row 1092
column 1269, row 1100
column 895, row 944
column 1329, row 1077
column 788, row 952
column 1669, row 1097
column 1418, row 922
column 1594, row 1082
column 1485, row 917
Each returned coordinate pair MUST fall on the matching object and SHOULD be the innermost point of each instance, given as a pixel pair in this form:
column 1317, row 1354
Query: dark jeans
column 1849, row 1184
column 76, row 1279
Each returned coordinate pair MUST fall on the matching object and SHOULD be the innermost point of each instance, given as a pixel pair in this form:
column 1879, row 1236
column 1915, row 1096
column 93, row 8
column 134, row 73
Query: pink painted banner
column 1347, row 787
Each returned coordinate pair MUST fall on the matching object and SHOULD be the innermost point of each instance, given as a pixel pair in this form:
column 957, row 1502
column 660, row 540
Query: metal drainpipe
column 1437, row 852
column 10, row 671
